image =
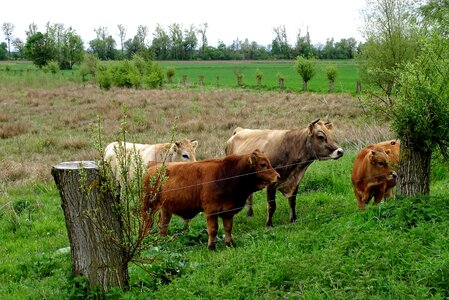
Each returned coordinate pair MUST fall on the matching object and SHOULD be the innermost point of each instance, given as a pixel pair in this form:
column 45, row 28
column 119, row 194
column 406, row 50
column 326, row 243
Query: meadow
column 396, row 250
column 26, row 72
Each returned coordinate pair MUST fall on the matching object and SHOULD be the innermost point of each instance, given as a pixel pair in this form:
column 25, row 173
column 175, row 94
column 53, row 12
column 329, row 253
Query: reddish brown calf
column 219, row 187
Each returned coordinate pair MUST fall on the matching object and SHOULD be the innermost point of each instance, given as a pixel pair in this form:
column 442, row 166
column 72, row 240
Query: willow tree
column 389, row 31
column 421, row 112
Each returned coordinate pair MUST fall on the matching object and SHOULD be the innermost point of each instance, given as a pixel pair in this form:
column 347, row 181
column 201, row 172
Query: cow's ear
column 328, row 125
column 176, row 146
column 388, row 151
column 194, row 143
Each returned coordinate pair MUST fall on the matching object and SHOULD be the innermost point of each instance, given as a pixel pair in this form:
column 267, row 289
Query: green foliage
column 390, row 41
column 104, row 77
column 422, row 107
column 331, row 72
column 259, row 74
column 306, row 68
column 170, row 73
column 3, row 51
column 57, row 43
column 52, row 66
column 125, row 74
column 153, row 76
column 39, row 48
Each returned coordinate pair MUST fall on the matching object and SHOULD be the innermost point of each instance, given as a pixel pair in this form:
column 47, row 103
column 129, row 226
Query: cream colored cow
column 115, row 153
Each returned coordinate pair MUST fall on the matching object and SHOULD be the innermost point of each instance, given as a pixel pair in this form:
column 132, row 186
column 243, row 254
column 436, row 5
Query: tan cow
column 290, row 152
column 372, row 175
column 393, row 149
column 218, row 186
column 182, row 150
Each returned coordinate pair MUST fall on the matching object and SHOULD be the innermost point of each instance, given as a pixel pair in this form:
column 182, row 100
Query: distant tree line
column 64, row 46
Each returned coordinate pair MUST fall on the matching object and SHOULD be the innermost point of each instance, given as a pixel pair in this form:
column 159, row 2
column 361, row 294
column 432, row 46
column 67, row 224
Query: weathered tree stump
column 93, row 225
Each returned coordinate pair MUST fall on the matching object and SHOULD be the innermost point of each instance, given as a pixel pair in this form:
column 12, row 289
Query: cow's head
column 184, row 150
column 321, row 142
column 261, row 166
column 380, row 163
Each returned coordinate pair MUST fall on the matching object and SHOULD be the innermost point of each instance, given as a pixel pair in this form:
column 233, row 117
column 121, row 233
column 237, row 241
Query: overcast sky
column 226, row 20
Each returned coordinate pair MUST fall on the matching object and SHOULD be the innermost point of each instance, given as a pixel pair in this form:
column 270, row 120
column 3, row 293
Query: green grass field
column 225, row 70
column 345, row 82
column 395, row 250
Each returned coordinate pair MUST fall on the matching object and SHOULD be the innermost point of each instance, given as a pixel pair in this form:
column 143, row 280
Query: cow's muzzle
column 337, row 153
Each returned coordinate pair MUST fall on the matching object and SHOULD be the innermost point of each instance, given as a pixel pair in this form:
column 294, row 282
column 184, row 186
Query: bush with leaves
column 306, row 69
column 331, row 74
column 125, row 74
column 104, row 77
column 154, row 75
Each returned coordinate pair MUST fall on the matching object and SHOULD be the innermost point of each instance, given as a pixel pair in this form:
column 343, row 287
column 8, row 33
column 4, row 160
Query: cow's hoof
column 211, row 247
column 269, row 224
column 250, row 213
column 230, row 244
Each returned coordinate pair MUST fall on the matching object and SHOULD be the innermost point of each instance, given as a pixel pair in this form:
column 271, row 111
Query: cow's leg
column 249, row 203
column 271, row 204
column 227, row 225
column 212, row 229
column 378, row 196
column 292, row 203
column 164, row 220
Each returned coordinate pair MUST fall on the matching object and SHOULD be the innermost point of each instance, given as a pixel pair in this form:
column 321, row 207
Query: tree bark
column 93, row 225
column 331, row 86
column 414, row 169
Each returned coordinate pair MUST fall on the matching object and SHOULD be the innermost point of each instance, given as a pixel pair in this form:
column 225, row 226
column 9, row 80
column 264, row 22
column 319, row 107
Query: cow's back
column 156, row 153
column 244, row 141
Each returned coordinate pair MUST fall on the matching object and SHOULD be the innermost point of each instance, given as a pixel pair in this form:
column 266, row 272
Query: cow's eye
column 321, row 136
column 185, row 156
column 263, row 165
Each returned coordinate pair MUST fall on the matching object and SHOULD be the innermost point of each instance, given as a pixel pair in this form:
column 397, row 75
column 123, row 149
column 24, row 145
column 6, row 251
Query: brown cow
column 290, row 152
column 394, row 147
column 218, row 186
column 372, row 176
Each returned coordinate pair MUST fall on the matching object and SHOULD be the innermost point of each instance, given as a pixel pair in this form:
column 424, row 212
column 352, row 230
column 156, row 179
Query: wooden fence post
column 358, row 87
column 93, row 226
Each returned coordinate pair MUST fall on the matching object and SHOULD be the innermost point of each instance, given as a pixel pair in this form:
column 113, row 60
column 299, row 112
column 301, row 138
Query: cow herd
column 255, row 159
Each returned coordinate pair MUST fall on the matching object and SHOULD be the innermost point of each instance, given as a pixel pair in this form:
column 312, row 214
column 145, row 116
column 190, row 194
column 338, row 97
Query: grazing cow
column 217, row 186
column 182, row 150
column 290, row 152
column 394, row 147
column 372, row 175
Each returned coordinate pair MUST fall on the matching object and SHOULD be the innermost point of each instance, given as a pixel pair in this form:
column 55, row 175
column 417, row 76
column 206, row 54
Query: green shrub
column 125, row 74
column 104, row 77
column 53, row 67
column 331, row 72
column 170, row 74
column 153, row 75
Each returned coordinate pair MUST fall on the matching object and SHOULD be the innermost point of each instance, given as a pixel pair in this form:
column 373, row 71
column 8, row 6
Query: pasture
column 26, row 73
column 399, row 249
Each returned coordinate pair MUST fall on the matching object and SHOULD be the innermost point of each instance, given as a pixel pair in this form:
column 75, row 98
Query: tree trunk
column 304, row 86
column 281, row 83
column 331, row 86
column 93, row 225
column 358, row 88
column 414, row 170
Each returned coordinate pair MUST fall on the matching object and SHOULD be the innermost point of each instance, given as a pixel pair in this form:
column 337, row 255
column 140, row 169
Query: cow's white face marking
column 337, row 154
